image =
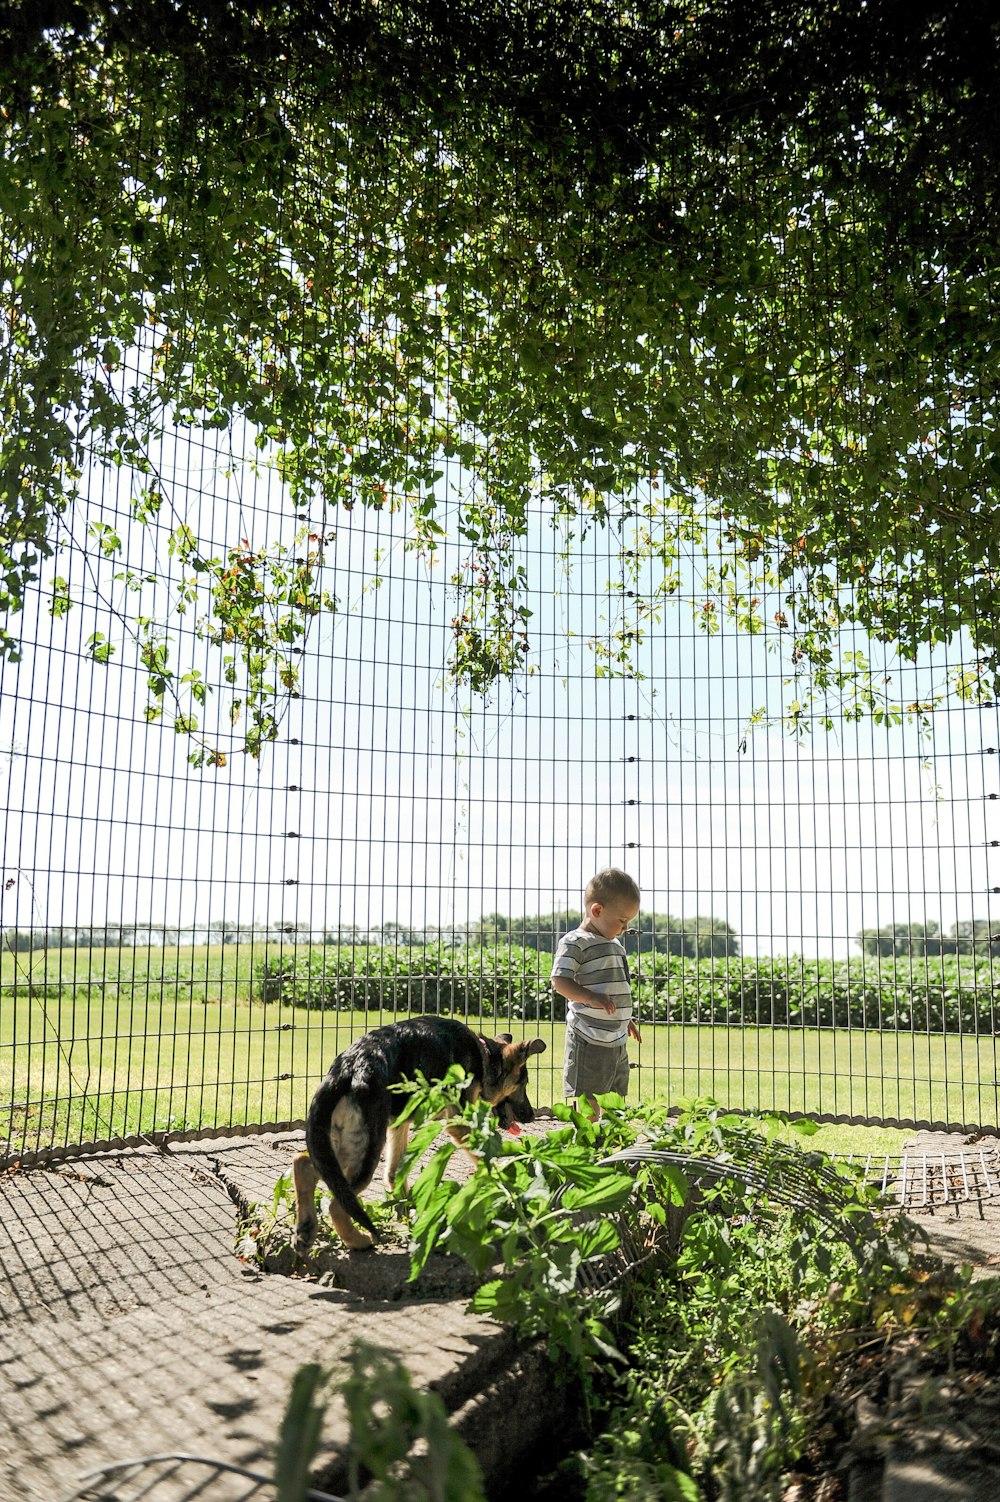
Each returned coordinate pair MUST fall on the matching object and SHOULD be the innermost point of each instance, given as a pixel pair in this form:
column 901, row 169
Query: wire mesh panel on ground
column 407, row 563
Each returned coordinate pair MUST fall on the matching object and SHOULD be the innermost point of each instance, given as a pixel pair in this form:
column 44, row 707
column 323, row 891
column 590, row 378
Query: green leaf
column 597, row 1239
column 298, row 1434
column 100, row 649
column 500, row 1299
column 607, row 1194
column 61, row 603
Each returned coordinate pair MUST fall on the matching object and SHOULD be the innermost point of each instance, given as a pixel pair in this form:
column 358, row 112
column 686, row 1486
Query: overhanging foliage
column 725, row 272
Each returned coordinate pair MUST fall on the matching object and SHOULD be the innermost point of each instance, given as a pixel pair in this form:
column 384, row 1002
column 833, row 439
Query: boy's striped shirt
column 599, row 964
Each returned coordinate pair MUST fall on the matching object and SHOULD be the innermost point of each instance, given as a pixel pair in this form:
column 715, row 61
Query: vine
column 669, row 261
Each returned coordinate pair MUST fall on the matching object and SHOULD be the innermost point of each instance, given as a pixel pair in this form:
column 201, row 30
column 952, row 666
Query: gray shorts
column 594, row 1068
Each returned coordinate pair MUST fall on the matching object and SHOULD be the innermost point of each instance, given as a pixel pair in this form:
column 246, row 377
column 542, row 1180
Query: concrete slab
column 937, row 1478
column 130, row 1327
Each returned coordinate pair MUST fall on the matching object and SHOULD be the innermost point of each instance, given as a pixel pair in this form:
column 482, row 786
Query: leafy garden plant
column 737, row 1351
column 534, row 1213
column 708, row 1382
column 400, row 1447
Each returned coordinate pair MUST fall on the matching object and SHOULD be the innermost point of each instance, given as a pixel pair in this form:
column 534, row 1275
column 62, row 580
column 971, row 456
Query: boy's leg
column 622, row 1074
column 590, row 1070
column 614, row 1064
column 571, row 1064
column 576, row 1066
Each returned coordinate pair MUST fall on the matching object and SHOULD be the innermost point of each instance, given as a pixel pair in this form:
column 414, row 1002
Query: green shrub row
column 952, row 995
column 502, row 983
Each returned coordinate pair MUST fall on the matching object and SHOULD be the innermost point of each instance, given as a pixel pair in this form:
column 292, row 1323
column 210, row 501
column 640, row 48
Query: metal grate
column 769, row 1168
column 921, row 1180
column 915, row 1179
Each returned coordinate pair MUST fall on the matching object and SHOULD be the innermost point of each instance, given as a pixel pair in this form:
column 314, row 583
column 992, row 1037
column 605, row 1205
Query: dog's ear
column 505, row 1037
column 516, row 1055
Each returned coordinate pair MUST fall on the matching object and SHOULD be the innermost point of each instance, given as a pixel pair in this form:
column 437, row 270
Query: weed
column 400, row 1447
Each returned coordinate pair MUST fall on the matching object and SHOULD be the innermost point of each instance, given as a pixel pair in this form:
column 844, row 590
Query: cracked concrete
column 130, row 1327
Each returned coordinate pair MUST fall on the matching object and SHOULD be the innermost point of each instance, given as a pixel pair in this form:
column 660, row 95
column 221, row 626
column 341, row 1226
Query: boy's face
column 611, row 919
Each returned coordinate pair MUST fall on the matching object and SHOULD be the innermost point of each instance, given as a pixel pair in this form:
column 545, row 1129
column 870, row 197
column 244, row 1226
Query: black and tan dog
column 352, row 1112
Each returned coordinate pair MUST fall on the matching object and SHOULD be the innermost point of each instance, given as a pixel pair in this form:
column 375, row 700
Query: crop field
column 102, row 1044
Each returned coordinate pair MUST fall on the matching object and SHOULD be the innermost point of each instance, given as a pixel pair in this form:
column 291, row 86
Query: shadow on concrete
column 131, row 1328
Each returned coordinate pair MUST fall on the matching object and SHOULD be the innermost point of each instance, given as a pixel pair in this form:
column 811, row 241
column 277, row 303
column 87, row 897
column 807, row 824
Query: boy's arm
column 582, row 994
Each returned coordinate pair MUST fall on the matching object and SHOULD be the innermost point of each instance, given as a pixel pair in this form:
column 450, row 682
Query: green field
column 110, row 1043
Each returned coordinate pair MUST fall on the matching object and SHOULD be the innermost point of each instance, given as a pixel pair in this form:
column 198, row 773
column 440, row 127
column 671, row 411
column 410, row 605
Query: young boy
column 591, row 971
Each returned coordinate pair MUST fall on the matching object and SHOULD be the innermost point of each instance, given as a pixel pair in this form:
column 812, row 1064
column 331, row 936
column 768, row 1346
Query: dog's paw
column 357, row 1240
column 305, row 1235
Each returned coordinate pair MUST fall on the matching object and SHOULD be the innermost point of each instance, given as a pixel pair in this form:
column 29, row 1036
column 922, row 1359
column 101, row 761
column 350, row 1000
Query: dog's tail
column 324, row 1158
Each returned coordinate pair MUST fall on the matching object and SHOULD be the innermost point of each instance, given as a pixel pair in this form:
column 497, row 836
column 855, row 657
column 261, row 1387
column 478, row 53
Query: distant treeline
column 925, row 940
column 130, row 936
column 688, row 938
column 694, row 938
column 698, row 938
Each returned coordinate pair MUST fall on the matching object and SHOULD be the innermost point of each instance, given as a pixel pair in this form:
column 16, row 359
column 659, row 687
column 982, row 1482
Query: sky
column 390, row 796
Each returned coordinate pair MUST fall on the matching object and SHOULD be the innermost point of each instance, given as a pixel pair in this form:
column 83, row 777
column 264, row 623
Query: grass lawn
column 110, row 1043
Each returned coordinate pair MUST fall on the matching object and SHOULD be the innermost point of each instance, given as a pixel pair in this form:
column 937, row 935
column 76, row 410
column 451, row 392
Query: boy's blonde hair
column 607, row 885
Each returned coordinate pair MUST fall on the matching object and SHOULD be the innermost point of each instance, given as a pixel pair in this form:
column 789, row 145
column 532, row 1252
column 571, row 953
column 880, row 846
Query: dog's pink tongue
column 515, row 1129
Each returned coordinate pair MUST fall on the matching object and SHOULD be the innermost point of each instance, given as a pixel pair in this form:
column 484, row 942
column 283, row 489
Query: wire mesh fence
column 205, row 899
column 186, row 951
